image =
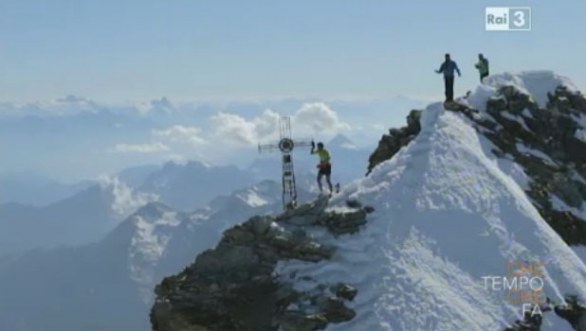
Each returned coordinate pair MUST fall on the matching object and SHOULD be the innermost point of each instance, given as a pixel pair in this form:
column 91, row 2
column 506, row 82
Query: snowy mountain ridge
column 447, row 180
column 455, row 207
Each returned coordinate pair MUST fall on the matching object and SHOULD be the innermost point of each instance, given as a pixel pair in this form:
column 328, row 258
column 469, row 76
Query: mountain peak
column 152, row 210
column 341, row 141
column 476, row 180
column 537, row 84
column 483, row 179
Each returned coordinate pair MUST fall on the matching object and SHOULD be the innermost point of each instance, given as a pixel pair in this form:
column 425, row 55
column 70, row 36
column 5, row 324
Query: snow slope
column 446, row 216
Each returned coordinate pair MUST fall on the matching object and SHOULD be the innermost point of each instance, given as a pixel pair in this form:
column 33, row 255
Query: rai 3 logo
column 508, row 19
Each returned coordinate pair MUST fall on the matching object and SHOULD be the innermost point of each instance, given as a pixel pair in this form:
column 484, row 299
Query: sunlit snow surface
column 447, row 214
column 147, row 247
column 252, row 198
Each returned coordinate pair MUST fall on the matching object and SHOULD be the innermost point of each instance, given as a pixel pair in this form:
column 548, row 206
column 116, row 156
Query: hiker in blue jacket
column 448, row 68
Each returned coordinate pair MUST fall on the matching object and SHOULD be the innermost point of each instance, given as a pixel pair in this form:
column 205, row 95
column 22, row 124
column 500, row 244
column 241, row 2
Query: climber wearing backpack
column 448, row 68
column 483, row 67
column 324, row 166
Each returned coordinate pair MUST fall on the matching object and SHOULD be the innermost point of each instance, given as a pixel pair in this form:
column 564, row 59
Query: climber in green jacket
column 483, row 67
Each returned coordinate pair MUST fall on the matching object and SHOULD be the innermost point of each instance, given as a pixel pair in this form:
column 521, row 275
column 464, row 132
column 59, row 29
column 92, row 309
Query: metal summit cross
column 286, row 145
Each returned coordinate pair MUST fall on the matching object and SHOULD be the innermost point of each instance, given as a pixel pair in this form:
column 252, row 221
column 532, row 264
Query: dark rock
column 390, row 144
column 354, row 204
column 413, row 123
column 239, row 235
column 566, row 190
column 368, row 209
column 234, row 286
column 307, row 214
column 260, row 225
column 282, row 242
column 531, row 322
column 345, row 291
column 495, row 105
column 345, row 223
column 550, row 132
column 297, row 321
column 336, row 311
column 574, row 312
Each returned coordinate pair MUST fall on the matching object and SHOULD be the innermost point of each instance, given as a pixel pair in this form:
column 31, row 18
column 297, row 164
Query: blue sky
column 121, row 51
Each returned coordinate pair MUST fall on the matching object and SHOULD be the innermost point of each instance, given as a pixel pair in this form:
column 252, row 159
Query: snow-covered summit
column 464, row 201
column 534, row 83
column 449, row 213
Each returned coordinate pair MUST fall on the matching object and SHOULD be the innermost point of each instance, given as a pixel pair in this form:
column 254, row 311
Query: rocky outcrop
column 235, row 286
column 529, row 323
column 545, row 143
column 574, row 312
column 549, row 143
column 391, row 143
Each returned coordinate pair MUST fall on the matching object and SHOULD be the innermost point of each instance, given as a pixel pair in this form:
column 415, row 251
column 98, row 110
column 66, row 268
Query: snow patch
column 535, row 83
column 125, row 199
column 253, row 199
column 147, row 246
column 580, row 134
column 537, row 153
column 514, row 118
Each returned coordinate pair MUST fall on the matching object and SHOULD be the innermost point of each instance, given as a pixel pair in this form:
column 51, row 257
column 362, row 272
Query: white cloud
column 267, row 124
column 125, row 199
column 156, row 147
column 169, row 140
column 190, row 135
column 310, row 119
column 319, row 118
column 238, row 129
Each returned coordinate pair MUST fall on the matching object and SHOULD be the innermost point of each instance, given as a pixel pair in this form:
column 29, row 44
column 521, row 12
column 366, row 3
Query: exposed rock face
column 549, row 143
column 545, row 143
column 235, row 286
column 530, row 323
column 390, row 144
column 574, row 312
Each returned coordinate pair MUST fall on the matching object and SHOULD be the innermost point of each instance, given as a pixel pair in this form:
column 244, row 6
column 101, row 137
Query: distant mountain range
column 108, row 285
column 88, row 214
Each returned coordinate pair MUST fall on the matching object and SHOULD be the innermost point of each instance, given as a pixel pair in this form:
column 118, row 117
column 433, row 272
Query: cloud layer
column 156, row 147
column 312, row 119
column 180, row 134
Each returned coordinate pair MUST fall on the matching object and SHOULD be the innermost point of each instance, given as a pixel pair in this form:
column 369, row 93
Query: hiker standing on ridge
column 483, row 67
column 324, row 166
column 448, row 68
